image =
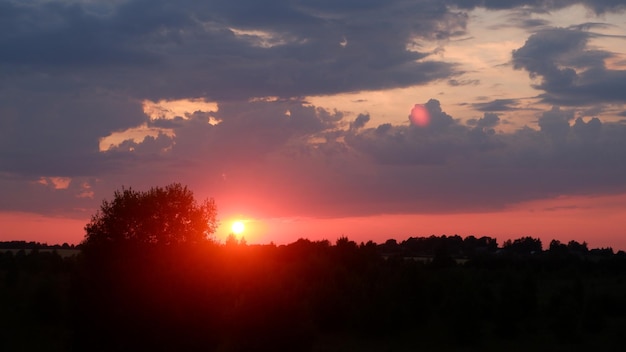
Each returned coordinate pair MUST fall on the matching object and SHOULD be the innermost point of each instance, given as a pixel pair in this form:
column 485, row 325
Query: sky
column 294, row 115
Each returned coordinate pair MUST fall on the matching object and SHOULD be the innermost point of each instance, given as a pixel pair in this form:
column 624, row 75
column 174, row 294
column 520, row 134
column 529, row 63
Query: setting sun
column 238, row 227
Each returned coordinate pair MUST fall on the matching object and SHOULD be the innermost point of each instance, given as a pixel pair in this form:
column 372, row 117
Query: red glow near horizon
column 419, row 116
column 595, row 220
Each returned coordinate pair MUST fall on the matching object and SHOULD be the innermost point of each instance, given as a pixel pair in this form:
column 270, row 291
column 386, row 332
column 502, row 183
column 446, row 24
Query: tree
column 525, row 245
column 166, row 215
column 557, row 247
column 145, row 272
column 578, row 248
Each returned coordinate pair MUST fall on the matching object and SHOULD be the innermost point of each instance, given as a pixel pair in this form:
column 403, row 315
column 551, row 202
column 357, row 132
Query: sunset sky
column 294, row 115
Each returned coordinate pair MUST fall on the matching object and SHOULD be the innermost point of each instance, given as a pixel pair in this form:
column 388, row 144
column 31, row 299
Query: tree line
column 135, row 287
column 309, row 295
column 30, row 245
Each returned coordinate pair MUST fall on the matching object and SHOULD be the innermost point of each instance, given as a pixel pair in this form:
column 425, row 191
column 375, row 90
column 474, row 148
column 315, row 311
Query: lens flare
column 419, row 116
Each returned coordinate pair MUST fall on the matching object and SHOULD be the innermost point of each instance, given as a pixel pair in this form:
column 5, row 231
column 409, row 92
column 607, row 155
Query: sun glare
column 238, row 227
column 419, row 116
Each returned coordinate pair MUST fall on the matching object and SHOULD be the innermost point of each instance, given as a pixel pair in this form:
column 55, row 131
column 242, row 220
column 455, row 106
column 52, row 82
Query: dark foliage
column 34, row 300
column 139, row 286
column 166, row 215
column 309, row 296
column 313, row 295
column 17, row 245
column 144, row 281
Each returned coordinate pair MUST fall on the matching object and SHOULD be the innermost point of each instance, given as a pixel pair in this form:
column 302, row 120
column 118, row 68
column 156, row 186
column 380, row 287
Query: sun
column 238, row 227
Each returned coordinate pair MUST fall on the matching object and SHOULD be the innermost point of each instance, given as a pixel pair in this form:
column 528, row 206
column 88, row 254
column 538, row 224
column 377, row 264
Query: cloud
column 533, row 23
column 57, row 133
column 490, row 120
column 497, row 105
column 360, row 121
column 569, row 71
column 456, row 83
column 311, row 162
column 523, row 18
column 464, row 168
column 555, row 123
column 157, row 50
column 75, row 74
column 55, row 182
column 598, row 6
column 588, row 131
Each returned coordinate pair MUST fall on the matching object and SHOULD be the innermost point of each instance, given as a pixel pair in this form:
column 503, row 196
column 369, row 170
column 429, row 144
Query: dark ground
column 315, row 296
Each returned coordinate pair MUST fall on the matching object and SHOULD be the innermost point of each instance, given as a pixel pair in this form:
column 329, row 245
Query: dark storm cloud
column 444, row 139
column 570, row 72
column 602, row 6
column 589, row 130
column 446, row 166
column 198, row 154
column 555, row 123
column 489, row 120
column 251, row 131
column 57, row 134
column 222, row 49
column 58, row 34
column 72, row 73
column 303, row 162
column 471, row 167
column 598, row 6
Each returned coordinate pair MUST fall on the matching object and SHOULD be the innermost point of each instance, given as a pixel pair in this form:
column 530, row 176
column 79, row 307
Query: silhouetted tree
column 163, row 215
column 576, row 247
column 143, row 273
column 231, row 240
column 556, row 247
column 524, row 245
